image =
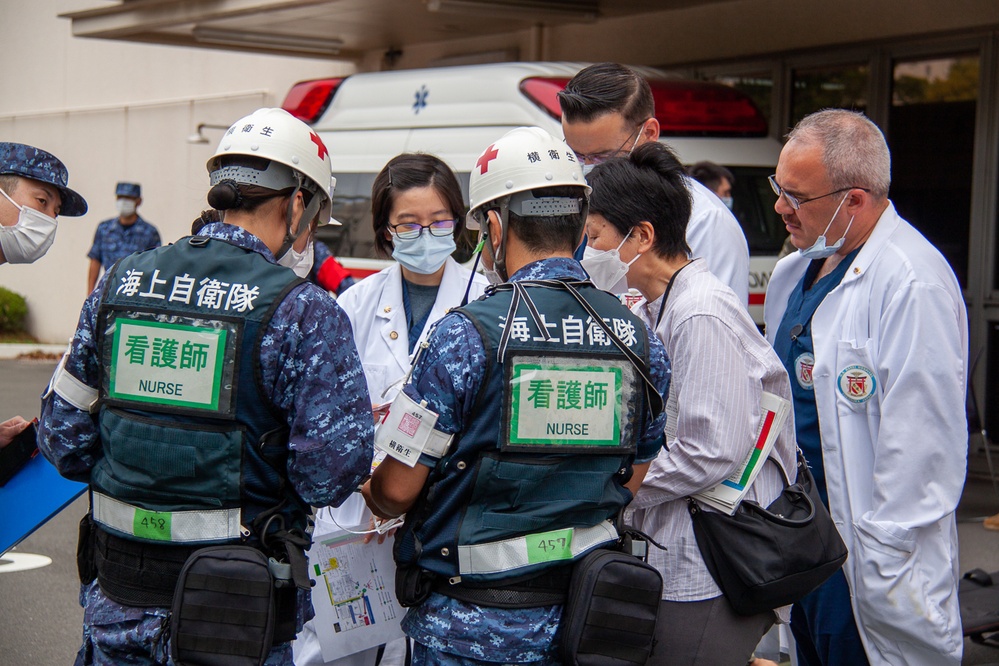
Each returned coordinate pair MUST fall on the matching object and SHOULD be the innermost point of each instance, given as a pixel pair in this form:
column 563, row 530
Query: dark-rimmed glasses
column 412, row 230
column 795, row 202
column 597, row 158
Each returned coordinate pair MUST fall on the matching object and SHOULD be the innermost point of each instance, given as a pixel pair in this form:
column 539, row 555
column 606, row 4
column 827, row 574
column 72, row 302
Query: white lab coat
column 378, row 319
column 714, row 235
column 895, row 464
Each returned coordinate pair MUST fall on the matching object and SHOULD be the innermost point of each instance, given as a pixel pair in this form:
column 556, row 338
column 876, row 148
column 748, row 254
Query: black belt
column 549, row 588
column 136, row 573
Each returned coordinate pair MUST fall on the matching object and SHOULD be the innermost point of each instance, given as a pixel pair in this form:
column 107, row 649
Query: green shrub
column 13, row 310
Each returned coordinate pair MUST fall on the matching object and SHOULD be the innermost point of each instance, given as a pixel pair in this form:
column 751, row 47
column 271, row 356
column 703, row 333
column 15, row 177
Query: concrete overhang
column 338, row 29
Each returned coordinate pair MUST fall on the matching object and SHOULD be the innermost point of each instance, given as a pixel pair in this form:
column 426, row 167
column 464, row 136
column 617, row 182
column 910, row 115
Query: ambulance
column 455, row 112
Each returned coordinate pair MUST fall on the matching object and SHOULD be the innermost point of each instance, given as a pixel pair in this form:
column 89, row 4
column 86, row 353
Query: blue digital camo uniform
column 448, row 376
column 310, row 371
column 113, row 240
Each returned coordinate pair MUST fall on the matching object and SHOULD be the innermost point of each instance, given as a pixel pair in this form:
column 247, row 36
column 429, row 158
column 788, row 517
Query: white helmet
column 523, row 159
column 297, row 157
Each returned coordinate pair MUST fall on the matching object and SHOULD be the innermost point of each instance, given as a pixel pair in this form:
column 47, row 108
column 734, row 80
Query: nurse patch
column 856, row 383
column 803, row 366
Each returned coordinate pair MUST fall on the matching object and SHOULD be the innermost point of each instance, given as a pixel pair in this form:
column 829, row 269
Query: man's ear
column 650, row 131
column 495, row 235
column 856, row 199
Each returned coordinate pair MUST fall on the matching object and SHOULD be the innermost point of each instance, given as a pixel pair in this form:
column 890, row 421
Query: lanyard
column 662, row 304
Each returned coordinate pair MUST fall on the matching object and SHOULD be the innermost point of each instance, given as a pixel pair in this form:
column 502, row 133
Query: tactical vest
column 193, row 450
column 538, row 472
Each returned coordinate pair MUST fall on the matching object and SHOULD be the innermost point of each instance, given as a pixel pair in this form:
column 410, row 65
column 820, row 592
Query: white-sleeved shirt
column 894, row 453
column 714, row 235
column 721, row 366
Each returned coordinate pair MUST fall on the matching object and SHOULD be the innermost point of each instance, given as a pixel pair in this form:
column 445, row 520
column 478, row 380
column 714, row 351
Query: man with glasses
column 608, row 110
column 870, row 323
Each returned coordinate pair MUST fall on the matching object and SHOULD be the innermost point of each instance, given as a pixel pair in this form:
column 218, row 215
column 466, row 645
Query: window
column 838, row 87
column 931, row 133
column 759, row 86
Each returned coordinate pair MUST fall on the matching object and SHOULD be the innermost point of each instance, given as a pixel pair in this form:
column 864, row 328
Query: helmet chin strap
column 303, row 222
column 499, row 256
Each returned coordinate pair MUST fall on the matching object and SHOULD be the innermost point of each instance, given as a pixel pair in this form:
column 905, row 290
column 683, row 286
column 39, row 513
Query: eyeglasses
column 795, row 202
column 412, row 230
column 597, row 158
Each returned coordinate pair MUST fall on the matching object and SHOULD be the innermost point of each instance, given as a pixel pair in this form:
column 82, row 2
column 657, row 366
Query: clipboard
column 31, row 497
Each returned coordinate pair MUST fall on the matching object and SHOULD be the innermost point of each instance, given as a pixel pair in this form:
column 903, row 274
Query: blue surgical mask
column 425, row 254
column 819, row 249
column 727, row 201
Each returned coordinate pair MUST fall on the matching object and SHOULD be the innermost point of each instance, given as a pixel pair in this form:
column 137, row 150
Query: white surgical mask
column 30, row 238
column 300, row 262
column 587, row 168
column 819, row 249
column 125, row 207
column 606, row 269
column 425, row 254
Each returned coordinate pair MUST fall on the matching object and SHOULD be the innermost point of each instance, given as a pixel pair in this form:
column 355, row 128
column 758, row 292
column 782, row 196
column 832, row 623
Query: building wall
column 716, row 31
column 118, row 111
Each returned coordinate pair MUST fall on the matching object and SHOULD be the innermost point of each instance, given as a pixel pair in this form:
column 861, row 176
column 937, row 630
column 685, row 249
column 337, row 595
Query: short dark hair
column 8, row 182
column 710, row 174
column 650, row 185
column 404, row 172
column 604, row 88
column 553, row 233
column 243, row 197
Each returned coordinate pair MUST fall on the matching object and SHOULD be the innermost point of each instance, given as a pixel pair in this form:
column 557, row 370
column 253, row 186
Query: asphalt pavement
column 42, row 618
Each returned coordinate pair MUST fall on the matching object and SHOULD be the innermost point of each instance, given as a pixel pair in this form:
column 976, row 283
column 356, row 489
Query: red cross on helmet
column 523, row 159
column 297, row 155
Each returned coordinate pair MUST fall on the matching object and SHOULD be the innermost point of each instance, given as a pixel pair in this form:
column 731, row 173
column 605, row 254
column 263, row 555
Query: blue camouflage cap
column 133, row 190
column 19, row 159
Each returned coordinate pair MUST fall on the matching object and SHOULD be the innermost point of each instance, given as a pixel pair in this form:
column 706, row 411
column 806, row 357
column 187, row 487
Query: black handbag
column 764, row 558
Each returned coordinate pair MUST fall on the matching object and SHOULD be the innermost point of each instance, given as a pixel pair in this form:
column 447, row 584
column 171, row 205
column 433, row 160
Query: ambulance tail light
column 543, row 92
column 699, row 108
column 308, row 100
column 683, row 108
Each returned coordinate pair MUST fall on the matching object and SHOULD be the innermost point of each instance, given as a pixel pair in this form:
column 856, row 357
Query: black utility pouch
column 223, row 609
column 412, row 585
column 610, row 616
column 85, row 564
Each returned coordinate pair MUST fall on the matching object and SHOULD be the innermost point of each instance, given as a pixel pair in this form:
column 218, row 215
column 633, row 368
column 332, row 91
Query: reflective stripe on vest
column 169, row 526
column 513, row 554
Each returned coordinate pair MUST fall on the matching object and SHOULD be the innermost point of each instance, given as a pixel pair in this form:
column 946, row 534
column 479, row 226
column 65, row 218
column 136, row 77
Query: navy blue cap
column 133, row 190
column 29, row 162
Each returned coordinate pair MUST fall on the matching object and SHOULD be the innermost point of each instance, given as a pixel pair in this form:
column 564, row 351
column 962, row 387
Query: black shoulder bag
column 765, row 558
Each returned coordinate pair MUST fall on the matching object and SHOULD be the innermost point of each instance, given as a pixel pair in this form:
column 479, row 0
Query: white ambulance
column 455, row 112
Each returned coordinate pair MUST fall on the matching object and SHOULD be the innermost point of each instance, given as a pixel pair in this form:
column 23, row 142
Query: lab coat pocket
column 891, row 592
column 854, row 378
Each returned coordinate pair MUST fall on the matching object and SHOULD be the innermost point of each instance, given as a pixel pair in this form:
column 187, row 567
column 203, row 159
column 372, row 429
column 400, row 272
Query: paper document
column 726, row 495
column 354, row 593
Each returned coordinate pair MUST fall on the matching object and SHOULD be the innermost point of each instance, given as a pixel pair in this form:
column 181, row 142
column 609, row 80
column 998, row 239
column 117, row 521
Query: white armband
column 408, row 431
column 71, row 389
